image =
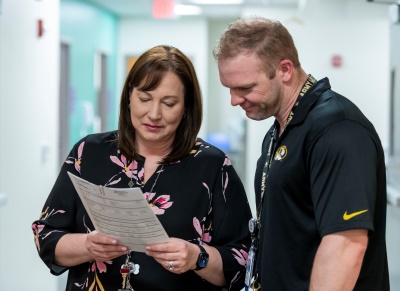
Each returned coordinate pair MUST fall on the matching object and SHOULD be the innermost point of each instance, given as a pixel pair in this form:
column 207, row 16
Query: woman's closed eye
column 144, row 99
column 168, row 104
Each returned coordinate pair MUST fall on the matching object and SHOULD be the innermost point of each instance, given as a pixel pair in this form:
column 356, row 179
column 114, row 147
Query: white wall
column 220, row 112
column 28, row 135
column 393, row 226
column 188, row 35
column 393, row 246
column 395, row 65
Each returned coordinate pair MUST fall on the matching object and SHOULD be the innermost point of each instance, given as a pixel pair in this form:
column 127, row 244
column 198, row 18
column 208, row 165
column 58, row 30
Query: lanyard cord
column 254, row 226
column 267, row 165
column 307, row 85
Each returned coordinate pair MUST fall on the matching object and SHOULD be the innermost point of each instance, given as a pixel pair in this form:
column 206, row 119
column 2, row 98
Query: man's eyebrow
column 245, row 86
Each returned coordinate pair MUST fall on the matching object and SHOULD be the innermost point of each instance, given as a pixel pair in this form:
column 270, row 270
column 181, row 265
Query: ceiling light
column 201, row 2
column 187, row 10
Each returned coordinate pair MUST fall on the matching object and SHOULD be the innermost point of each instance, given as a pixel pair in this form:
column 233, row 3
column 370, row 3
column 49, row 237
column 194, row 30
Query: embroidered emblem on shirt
column 351, row 215
column 281, row 153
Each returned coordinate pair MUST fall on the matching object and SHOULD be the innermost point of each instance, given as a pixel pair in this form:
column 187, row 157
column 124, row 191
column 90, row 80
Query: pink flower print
column 83, row 285
column 197, row 226
column 208, row 190
column 204, row 236
column 77, row 162
column 44, row 215
column 195, row 152
column 159, row 204
column 100, row 266
column 37, row 229
column 88, row 230
column 96, row 284
column 129, row 170
column 94, row 267
column 141, row 175
column 234, row 279
column 227, row 162
column 198, row 151
column 224, row 184
column 241, row 256
column 149, row 196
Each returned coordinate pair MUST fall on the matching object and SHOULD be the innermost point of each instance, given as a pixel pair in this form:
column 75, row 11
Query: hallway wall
column 80, row 24
column 29, row 87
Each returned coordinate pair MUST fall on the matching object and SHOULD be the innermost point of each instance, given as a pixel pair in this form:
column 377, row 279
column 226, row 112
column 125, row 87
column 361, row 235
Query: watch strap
column 202, row 249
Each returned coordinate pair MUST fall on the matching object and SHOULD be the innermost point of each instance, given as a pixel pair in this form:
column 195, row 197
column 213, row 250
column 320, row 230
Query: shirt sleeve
column 231, row 236
column 343, row 165
column 58, row 214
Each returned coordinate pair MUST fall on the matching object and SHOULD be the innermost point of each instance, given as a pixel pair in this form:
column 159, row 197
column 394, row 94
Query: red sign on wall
column 337, row 61
column 163, row 8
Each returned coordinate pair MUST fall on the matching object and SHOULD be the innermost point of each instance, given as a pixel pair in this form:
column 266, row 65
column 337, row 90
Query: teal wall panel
column 88, row 29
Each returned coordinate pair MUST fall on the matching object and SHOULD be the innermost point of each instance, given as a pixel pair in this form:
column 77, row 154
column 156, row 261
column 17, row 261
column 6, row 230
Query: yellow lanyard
column 307, row 85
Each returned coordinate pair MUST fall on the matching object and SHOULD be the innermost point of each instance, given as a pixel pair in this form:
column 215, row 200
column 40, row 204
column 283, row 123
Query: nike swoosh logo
column 351, row 215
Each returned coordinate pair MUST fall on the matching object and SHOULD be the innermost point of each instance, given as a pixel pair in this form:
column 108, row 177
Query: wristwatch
column 202, row 259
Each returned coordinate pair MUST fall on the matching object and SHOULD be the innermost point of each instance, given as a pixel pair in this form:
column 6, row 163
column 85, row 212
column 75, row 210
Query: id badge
column 249, row 268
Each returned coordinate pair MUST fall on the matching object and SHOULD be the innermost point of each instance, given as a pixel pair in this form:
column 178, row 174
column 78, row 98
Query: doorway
column 65, row 103
column 101, row 76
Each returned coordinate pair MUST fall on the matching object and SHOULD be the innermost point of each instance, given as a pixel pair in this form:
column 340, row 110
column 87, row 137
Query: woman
column 190, row 185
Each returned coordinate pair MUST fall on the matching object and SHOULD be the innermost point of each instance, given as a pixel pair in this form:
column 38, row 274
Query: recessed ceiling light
column 216, row 1
column 187, row 10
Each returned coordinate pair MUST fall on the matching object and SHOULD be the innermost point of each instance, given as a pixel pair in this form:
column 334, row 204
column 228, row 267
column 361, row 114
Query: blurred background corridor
column 63, row 64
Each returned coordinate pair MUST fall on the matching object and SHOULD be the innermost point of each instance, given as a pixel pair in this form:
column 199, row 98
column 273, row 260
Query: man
column 320, row 181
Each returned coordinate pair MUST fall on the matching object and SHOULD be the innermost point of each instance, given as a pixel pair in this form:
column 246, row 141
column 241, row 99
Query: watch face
column 203, row 260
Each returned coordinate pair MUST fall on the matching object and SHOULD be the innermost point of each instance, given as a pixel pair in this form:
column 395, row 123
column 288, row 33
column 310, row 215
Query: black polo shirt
column 327, row 175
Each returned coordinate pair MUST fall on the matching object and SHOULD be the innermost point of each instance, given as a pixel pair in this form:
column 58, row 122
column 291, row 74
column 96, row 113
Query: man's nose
column 235, row 98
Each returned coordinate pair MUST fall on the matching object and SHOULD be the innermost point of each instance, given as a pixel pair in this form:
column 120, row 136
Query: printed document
column 122, row 213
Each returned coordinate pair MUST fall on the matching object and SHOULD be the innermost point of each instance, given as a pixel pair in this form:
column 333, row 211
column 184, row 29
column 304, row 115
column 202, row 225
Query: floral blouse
column 199, row 199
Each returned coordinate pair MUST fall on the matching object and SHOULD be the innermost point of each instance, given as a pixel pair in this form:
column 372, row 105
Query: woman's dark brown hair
column 145, row 75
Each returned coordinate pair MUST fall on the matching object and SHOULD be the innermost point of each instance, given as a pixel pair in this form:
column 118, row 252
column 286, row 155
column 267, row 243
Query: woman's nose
column 154, row 111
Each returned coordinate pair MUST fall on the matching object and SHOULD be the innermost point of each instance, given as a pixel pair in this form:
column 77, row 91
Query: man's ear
column 286, row 68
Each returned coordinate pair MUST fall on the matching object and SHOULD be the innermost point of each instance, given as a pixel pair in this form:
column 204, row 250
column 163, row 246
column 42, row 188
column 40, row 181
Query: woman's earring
column 184, row 115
